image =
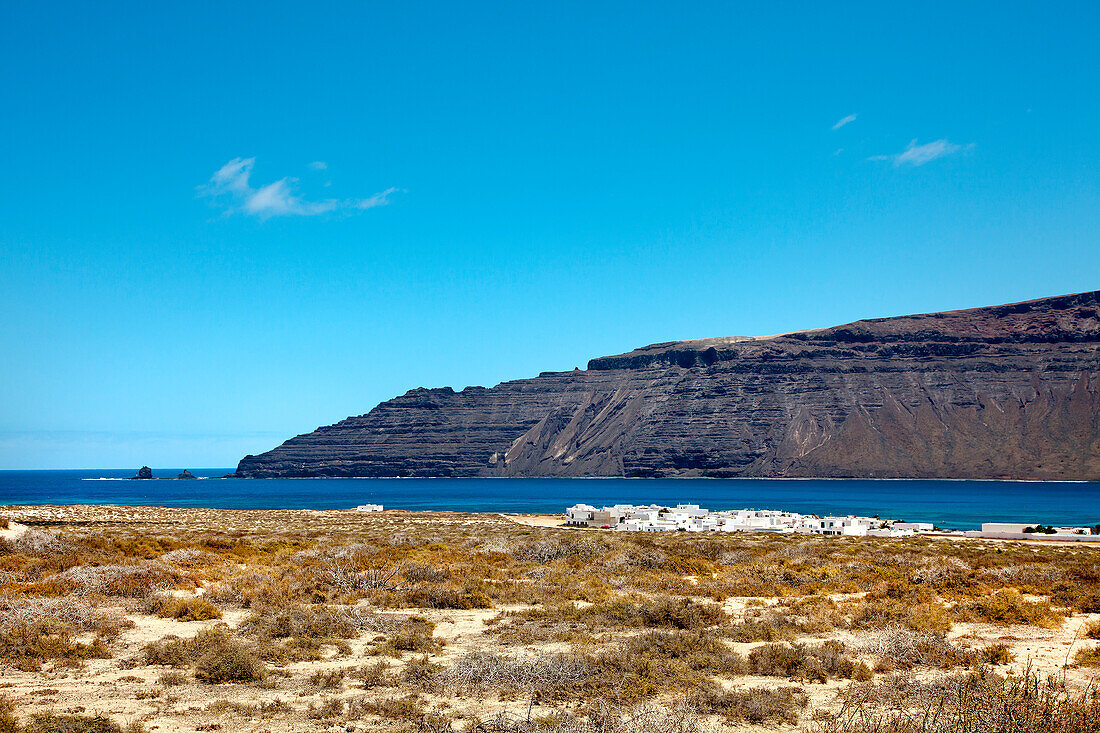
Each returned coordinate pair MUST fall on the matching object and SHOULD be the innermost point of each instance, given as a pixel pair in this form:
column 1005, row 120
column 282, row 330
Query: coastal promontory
column 1010, row 391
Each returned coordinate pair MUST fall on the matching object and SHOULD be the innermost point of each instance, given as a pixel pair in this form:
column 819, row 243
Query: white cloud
column 276, row 199
column 844, row 121
column 231, row 188
column 379, row 199
column 920, row 154
column 233, row 176
column 318, row 165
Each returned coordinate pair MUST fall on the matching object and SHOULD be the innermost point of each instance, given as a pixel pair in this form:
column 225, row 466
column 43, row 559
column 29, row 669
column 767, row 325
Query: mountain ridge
column 1007, row 391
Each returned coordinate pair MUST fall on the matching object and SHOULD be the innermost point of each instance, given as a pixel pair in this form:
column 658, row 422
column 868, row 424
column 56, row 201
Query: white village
column 693, row 518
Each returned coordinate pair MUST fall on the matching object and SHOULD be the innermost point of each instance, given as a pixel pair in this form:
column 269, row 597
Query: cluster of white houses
column 692, row 518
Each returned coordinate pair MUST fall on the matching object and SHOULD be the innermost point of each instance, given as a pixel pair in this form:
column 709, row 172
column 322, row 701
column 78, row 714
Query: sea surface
column 949, row 504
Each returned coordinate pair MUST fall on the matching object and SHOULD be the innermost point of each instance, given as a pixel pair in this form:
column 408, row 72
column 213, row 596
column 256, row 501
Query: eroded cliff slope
column 1004, row 391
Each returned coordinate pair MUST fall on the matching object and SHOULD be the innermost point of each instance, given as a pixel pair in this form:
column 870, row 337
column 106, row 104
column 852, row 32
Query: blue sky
column 223, row 224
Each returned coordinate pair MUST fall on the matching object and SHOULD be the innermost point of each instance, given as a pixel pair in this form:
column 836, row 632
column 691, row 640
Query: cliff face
column 1005, row 391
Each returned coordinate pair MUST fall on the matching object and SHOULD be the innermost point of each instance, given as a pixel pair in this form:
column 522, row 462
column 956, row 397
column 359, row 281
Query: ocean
column 949, row 504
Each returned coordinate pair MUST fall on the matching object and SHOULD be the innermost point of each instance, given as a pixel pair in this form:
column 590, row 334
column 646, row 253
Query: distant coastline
column 951, row 504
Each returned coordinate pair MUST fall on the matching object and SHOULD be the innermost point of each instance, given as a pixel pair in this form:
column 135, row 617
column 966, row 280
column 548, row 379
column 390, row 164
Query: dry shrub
column 943, row 573
column 420, row 671
column 801, row 661
column 902, row 604
column 310, row 622
column 694, row 650
column 971, row 704
column 679, row 614
column 1084, row 597
column 601, row 717
column 38, row 542
column 220, row 658
column 607, row 717
column 56, row 723
column 215, row 655
column 130, row 581
column 375, row 675
column 426, row 574
column 8, row 721
column 182, row 609
column 668, row 613
column 33, row 630
column 898, row 647
column 5, row 523
column 412, row 635
column 346, row 573
column 1087, row 656
column 408, row 708
column 331, row 708
column 567, row 622
column 771, row 627
column 995, row 654
column 172, row 678
column 332, row 679
column 1092, row 630
column 1009, row 607
column 188, row 557
column 540, row 673
column 756, row 706
column 549, row 550
column 168, row 651
column 649, row 558
column 430, row 595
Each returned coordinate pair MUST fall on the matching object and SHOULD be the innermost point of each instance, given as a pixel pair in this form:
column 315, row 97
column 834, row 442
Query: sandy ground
column 539, row 520
column 133, row 691
column 14, row 530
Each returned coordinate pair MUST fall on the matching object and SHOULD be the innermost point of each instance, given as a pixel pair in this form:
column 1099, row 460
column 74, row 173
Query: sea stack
column 185, row 474
column 144, row 472
column 1010, row 391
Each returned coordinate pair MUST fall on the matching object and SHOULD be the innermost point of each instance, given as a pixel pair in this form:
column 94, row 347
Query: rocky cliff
column 1005, row 391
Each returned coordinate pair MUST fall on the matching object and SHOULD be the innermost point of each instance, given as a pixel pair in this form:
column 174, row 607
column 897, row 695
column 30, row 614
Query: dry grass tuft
column 539, row 673
column 213, row 653
column 1009, row 607
column 757, row 706
column 969, row 704
column 804, row 662
column 1088, row 656
column 898, row 647
column 182, row 609
column 34, row 630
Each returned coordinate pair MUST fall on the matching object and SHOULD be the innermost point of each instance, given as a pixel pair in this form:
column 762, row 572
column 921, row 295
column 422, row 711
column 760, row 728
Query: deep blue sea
column 950, row 504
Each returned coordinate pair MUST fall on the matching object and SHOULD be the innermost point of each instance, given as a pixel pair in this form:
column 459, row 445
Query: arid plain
column 124, row 618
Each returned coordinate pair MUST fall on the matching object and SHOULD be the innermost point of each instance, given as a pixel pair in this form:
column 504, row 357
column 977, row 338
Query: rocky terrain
column 1005, row 391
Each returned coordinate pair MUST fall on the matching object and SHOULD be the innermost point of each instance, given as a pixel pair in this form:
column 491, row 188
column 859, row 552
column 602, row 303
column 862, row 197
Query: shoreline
column 53, row 515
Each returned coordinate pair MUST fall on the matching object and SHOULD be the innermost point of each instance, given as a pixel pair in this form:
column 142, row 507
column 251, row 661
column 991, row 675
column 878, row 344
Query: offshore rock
column 144, row 472
column 1008, row 391
column 185, row 474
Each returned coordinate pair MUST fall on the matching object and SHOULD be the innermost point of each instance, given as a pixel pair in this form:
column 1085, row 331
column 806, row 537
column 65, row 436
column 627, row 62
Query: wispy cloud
column 920, row 154
column 844, row 121
column 231, row 188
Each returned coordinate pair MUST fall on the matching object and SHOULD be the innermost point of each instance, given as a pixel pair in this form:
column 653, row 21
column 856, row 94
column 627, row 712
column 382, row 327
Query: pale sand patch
column 540, row 520
column 14, row 530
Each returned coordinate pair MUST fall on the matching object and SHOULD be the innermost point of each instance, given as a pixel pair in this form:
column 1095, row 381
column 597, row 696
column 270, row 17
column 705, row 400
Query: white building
column 1016, row 531
column 693, row 518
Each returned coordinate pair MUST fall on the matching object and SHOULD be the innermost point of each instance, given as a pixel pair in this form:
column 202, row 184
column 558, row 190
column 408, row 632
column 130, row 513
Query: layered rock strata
column 1005, row 391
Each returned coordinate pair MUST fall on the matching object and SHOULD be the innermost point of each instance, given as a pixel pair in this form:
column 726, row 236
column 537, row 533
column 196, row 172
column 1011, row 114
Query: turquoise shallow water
column 950, row 504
